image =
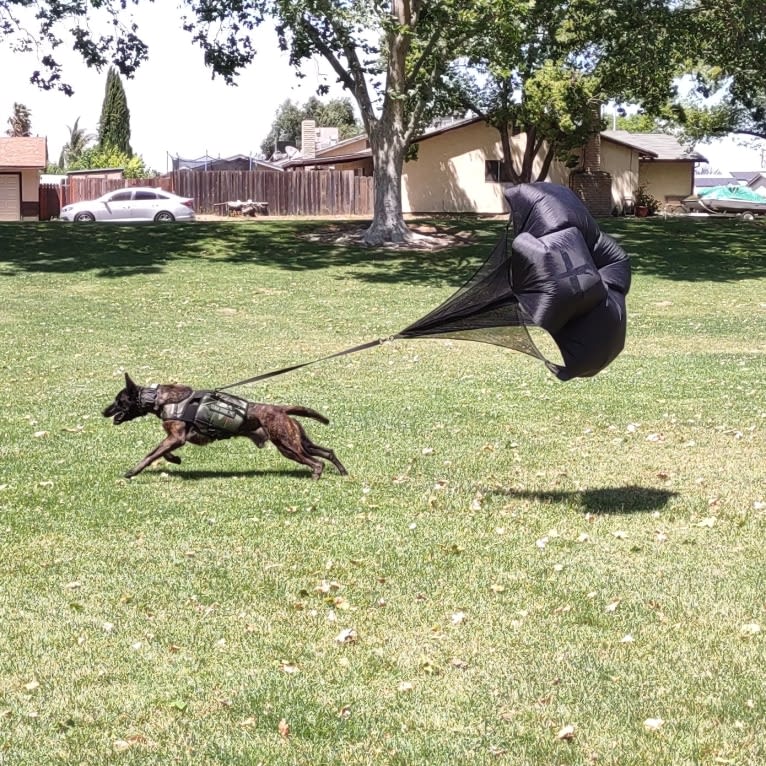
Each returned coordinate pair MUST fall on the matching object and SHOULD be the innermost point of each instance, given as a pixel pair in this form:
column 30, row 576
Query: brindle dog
column 261, row 423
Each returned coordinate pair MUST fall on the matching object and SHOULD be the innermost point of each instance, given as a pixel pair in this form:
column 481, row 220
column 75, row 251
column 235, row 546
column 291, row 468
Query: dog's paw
column 129, row 474
column 174, row 459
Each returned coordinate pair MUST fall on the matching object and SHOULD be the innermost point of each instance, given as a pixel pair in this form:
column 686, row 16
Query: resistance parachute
column 558, row 272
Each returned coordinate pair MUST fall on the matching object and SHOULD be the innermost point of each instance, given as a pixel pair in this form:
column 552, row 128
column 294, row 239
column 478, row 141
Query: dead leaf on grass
column 566, row 733
column 750, row 629
column 346, row 636
column 653, row 724
column 283, row 729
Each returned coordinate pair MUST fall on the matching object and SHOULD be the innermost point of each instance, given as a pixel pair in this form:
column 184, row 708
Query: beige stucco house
column 457, row 166
column 653, row 160
column 22, row 160
column 456, row 170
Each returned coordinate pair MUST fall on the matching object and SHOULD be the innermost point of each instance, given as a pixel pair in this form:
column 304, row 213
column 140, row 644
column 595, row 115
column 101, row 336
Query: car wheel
column 85, row 217
column 164, row 217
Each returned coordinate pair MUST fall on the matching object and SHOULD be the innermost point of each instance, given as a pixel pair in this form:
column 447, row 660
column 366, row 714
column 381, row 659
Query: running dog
column 200, row 417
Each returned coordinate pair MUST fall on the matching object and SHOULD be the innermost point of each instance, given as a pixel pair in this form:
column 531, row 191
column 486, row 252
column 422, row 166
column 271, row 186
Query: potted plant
column 646, row 204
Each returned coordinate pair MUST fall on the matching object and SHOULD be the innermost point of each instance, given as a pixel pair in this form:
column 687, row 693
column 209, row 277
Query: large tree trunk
column 388, row 150
column 389, row 135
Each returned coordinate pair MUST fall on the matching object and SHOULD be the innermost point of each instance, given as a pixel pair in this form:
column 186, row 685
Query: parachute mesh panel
column 483, row 310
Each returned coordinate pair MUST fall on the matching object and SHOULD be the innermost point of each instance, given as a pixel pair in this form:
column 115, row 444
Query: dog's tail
column 306, row 412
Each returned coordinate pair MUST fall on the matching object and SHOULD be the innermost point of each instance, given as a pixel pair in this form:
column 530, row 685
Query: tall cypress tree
column 114, row 125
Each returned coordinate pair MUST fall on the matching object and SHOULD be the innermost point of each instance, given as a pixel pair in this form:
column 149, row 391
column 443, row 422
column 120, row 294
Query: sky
column 178, row 109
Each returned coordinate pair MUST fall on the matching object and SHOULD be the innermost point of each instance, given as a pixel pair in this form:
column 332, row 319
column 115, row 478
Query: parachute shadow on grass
column 631, row 498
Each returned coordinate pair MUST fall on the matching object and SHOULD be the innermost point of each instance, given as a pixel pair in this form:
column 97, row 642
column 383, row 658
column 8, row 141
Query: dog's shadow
column 627, row 499
column 201, row 474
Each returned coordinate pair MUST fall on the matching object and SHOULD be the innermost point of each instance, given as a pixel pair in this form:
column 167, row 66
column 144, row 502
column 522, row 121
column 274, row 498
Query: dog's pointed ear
column 129, row 384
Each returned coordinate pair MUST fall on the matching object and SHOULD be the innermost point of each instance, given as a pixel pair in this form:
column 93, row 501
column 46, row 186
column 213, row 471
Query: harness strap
column 274, row 373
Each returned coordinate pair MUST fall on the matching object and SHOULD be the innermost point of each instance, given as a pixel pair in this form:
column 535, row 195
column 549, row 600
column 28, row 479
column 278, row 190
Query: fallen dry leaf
column 653, row 724
column 750, row 629
column 709, row 522
column 283, row 729
column 612, row 605
column 405, row 686
column 566, row 732
column 346, row 636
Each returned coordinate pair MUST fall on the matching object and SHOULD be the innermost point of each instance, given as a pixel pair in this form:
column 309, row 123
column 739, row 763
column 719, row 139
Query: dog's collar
column 147, row 397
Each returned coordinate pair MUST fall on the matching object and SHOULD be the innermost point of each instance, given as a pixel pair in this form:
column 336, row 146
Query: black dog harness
column 213, row 414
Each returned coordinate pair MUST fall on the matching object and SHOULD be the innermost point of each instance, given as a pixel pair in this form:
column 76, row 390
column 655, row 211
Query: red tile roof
column 23, row 152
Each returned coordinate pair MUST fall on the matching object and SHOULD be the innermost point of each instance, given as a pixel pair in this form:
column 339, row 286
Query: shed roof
column 23, row 152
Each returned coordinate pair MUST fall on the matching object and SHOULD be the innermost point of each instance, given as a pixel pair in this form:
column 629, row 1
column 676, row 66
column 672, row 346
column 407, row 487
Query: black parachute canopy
column 562, row 274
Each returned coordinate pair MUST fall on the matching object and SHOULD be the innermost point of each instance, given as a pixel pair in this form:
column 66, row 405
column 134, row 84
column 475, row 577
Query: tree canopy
column 337, row 112
column 20, row 122
column 114, row 125
column 544, row 68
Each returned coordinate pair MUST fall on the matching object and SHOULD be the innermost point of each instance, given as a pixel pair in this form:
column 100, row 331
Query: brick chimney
column 308, row 138
column 592, row 184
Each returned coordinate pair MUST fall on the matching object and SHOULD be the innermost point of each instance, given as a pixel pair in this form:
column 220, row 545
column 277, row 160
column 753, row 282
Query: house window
column 495, row 171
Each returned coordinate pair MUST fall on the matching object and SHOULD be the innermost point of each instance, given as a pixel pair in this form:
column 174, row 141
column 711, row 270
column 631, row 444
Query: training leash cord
column 274, row 373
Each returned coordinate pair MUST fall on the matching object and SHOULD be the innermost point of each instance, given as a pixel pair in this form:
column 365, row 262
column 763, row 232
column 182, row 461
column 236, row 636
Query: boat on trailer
column 727, row 199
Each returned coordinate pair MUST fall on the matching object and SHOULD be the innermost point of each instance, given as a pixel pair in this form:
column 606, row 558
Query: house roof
column 334, row 159
column 746, row 176
column 705, row 182
column 654, row 146
column 320, row 159
column 23, row 152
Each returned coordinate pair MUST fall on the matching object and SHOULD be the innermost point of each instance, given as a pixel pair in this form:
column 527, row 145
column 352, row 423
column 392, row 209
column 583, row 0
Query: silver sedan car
column 131, row 205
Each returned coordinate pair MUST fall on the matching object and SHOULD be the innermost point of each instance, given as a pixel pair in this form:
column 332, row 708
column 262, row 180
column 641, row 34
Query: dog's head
column 126, row 405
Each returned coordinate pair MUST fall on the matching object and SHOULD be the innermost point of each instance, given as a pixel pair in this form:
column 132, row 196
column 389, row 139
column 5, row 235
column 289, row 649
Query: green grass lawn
column 516, row 570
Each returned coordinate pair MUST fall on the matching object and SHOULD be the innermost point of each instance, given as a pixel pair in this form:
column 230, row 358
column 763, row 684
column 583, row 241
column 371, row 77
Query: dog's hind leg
column 315, row 450
column 316, row 466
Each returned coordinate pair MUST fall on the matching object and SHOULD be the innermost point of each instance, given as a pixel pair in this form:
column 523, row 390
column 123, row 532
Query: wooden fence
column 312, row 193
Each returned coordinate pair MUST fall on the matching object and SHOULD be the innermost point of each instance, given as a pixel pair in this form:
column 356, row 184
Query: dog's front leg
column 172, row 441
